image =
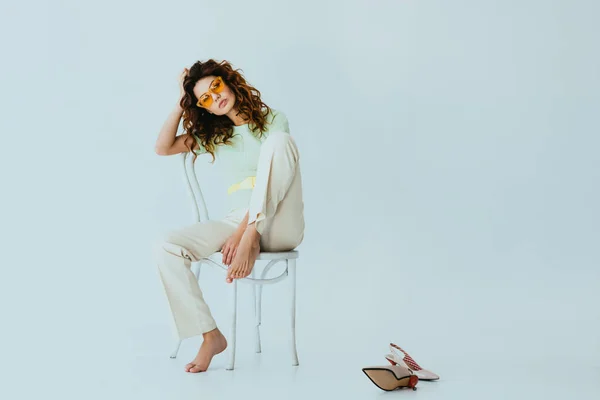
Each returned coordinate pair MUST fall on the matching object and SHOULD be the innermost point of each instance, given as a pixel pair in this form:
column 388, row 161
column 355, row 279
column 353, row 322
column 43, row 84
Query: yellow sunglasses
column 216, row 86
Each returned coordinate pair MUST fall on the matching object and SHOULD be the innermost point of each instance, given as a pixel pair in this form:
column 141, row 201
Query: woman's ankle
column 212, row 334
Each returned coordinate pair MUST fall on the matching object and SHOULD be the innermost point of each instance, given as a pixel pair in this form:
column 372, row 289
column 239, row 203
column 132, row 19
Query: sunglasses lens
column 205, row 101
column 217, row 86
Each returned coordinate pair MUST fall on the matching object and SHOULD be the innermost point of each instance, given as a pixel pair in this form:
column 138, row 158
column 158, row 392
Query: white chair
column 200, row 215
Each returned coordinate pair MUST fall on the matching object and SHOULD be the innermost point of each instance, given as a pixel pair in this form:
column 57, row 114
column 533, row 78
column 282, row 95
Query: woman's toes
column 195, row 369
column 188, row 366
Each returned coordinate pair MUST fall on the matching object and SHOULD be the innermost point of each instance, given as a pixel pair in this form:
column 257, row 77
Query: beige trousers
column 277, row 208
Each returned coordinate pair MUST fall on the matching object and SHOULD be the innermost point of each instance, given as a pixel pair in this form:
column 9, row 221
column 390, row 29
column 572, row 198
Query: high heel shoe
column 406, row 361
column 391, row 377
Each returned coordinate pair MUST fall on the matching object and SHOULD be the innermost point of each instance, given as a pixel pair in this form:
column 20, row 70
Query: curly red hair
column 213, row 130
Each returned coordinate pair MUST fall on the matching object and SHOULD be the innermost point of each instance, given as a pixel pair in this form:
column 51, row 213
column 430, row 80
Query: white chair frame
column 200, row 213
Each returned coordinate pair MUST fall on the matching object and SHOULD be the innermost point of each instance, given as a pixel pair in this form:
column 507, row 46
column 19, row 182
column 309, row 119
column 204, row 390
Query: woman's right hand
column 182, row 76
column 230, row 247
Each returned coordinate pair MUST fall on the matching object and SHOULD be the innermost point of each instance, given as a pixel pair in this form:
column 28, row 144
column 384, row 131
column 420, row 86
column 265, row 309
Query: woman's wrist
column 243, row 225
column 240, row 230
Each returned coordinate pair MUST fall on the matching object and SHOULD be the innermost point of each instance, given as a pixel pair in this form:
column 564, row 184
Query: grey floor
column 486, row 339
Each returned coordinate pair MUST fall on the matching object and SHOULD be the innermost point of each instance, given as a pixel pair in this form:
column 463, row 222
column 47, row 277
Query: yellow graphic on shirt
column 247, row 183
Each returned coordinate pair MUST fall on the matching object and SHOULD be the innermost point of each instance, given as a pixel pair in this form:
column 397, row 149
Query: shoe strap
column 406, row 358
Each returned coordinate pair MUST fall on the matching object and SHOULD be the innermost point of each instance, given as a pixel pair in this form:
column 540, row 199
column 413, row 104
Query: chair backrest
column 199, row 209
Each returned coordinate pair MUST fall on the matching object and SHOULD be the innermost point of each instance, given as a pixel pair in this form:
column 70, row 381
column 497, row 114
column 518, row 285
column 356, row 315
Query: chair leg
column 259, row 289
column 233, row 305
column 174, row 353
column 255, row 290
column 197, row 272
column 291, row 265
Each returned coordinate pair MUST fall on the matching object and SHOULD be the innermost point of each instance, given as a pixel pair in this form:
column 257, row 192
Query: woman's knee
column 279, row 139
column 166, row 248
column 282, row 142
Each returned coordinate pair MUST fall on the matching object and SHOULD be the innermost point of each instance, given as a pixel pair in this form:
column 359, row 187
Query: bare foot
column 245, row 255
column 213, row 344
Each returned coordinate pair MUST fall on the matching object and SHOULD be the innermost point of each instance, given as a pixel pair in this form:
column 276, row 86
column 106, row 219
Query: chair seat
column 266, row 255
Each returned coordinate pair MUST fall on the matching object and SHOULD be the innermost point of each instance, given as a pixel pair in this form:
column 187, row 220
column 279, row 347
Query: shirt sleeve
column 279, row 122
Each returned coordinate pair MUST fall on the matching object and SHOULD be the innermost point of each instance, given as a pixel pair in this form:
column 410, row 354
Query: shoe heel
column 412, row 382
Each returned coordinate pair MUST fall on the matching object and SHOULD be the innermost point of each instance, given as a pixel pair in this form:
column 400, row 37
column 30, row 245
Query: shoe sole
column 386, row 380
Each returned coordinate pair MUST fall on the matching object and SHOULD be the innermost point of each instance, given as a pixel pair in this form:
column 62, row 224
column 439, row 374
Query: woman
column 224, row 116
